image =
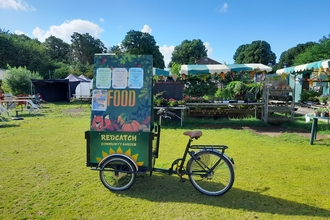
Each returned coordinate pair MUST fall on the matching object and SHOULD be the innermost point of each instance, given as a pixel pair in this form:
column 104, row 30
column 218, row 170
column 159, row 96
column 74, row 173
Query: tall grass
column 44, row 176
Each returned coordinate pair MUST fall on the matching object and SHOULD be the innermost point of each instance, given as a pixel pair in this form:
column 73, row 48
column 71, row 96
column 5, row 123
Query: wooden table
column 253, row 105
column 314, row 126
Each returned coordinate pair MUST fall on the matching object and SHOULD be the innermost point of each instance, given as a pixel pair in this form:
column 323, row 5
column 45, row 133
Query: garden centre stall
column 240, row 103
column 223, row 68
column 307, row 76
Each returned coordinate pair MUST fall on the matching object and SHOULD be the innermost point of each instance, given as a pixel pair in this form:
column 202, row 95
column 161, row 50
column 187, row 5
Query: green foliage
column 175, row 69
column 223, row 94
column 315, row 52
column 62, row 70
column 199, row 87
column 84, row 47
column 256, row 52
column 21, row 50
column 237, row 87
column 18, row 80
column 116, row 49
column 57, row 49
column 309, row 95
column 78, row 68
column 141, row 43
column 188, row 52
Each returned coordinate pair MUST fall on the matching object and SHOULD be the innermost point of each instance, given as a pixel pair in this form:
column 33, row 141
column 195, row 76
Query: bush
column 308, row 95
column 18, row 80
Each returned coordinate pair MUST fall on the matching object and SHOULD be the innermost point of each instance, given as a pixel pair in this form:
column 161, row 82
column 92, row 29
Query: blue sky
column 222, row 25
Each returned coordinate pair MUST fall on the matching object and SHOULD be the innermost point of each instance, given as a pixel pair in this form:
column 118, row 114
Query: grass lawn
column 43, row 174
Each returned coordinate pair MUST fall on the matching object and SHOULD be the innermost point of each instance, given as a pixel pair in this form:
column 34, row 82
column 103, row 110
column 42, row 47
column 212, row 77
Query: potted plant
column 226, row 94
column 181, row 102
column 218, row 96
column 323, row 99
column 317, row 112
column 322, row 111
column 325, row 112
column 172, row 102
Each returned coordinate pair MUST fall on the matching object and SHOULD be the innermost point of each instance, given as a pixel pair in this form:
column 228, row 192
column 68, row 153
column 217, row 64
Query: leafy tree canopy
column 256, row 52
column 57, row 49
column 137, row 42
column 287, row 57
column 84, row 47
column 315, row 52
column 115, row 49
column 188, row 52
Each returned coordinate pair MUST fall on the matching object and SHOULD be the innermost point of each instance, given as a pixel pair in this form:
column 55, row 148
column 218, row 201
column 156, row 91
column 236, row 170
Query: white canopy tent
column 222, row 68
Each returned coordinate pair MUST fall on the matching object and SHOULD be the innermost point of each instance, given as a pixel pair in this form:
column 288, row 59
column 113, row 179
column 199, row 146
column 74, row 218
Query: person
column 40, row 98
column 1, row 93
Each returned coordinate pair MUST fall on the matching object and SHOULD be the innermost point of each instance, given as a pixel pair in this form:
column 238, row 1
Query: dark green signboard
column 121, row 119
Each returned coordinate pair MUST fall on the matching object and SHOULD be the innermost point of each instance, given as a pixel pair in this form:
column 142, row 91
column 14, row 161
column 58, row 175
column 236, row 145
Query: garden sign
column 121, row 118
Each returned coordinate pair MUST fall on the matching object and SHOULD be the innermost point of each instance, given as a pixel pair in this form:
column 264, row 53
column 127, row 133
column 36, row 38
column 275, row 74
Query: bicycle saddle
column 193, row 134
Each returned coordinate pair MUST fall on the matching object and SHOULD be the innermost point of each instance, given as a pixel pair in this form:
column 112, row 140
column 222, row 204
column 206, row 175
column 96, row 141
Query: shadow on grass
column 165, row 188
column 27, row 115
column 5, row 125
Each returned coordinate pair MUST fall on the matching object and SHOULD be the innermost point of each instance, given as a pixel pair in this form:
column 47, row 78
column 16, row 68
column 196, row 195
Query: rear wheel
column 117, row 173
column 211, row 173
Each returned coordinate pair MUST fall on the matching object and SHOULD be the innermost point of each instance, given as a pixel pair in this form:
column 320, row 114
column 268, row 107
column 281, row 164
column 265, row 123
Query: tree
column 57, row 49
column 115, row 49
column 84, row 47
column 315, row 52
column 188, row 52
column 137, row 42
column 18, row 80
column 288, row 56
column 256, row 52
column 7, row 51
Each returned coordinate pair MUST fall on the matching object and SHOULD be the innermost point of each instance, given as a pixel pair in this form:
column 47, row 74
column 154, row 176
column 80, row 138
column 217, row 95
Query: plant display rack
column 277, row 100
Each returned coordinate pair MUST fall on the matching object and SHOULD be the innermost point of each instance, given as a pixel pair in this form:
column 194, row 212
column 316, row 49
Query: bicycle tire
column 117, row 173
column 215, row 183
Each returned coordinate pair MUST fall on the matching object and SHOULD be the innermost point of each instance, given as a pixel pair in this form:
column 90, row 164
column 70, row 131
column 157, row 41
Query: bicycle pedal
column 182, row 180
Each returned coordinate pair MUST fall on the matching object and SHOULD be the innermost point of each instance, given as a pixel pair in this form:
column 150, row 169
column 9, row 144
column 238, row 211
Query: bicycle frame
column 180, row 171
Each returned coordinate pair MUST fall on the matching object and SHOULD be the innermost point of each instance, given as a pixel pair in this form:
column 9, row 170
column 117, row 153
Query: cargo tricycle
column 123, row 140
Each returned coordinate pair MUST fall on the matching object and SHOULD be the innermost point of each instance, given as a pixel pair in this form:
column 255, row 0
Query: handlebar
column 167, row 112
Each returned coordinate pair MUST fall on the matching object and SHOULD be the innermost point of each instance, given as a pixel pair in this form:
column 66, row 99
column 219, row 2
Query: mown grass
column 44, row 176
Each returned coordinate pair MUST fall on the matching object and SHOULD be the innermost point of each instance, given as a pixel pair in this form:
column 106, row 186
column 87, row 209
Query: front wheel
column 117, row 173
column 211, row 173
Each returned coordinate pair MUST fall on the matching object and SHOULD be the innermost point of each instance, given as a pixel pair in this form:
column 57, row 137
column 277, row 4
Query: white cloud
column 65, row 30
column 209, row 49
column 17, row 5
column 224, row 8
column 167, row 53
column 101, row 19
column 18, row 32
column 146, row 29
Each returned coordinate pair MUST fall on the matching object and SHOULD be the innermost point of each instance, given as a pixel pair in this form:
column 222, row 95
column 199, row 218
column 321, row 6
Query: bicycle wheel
column 211, row 173
column 117, row 173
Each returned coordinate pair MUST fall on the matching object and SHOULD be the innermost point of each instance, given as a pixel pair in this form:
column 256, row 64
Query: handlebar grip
column 172, row 114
